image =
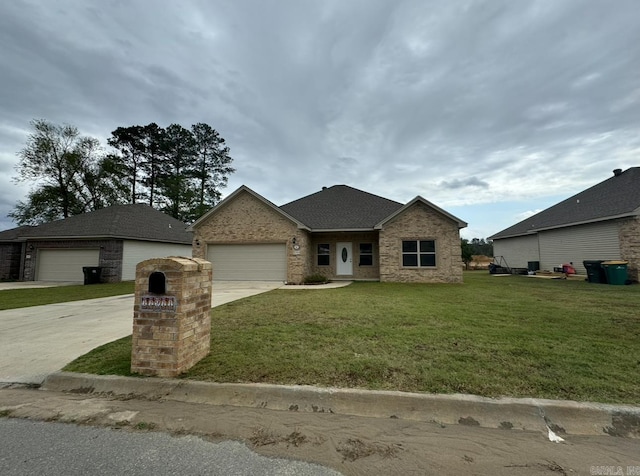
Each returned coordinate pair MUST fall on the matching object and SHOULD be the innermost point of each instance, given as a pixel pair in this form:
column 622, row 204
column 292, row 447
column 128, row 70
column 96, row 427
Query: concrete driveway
column 36, row 341
column 35, row 284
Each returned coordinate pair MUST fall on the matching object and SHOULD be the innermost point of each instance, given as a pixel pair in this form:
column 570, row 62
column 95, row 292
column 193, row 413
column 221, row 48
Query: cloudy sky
column 490, row 109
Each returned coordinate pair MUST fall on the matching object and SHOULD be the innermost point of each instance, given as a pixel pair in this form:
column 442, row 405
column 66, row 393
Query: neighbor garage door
column 266, row 262
column 65, row 265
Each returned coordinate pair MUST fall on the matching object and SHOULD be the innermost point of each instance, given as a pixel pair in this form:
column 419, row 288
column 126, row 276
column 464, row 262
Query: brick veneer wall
column 10, row 257
column 110, row 256
column 166, row 344
column 247, row 220
column 421, row 222
column 359, row 272
column 629, row 235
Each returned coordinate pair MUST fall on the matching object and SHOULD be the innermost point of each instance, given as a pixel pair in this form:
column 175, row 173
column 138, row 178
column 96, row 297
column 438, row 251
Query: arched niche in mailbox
column 157, row 283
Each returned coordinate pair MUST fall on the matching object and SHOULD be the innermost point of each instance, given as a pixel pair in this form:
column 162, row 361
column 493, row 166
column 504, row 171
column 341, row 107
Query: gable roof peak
column 232, row 196
column 424, row 201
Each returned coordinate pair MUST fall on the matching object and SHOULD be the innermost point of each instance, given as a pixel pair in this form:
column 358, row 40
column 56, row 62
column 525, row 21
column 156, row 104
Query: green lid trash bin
column 616, row 271
column 595, row 271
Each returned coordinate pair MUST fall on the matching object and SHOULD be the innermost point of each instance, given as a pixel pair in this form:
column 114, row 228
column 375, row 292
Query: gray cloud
column 423, row 98
column 464, row 183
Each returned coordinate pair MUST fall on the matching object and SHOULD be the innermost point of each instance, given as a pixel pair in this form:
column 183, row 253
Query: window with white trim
column 419, row 253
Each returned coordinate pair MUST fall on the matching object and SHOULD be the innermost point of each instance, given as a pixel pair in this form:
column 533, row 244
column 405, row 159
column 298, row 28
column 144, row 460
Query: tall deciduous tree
column 64, row 168
column 178, row 170
column 104, row 183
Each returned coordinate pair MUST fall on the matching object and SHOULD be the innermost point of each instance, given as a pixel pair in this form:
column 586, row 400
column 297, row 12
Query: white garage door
column 65, row 265
column 265, row 262
column 135, row 251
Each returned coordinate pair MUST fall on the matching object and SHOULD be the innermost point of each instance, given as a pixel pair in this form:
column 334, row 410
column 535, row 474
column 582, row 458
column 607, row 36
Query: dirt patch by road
column 351, row 445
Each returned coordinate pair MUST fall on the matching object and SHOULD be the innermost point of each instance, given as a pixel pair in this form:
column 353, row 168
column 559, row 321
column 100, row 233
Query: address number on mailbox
column 158, row 303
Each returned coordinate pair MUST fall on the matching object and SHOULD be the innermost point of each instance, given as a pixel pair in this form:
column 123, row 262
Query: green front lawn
column 492, row 336
column 16, row 298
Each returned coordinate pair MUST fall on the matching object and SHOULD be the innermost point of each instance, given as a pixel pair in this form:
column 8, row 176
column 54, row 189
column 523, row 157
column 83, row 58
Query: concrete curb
column 563, row 417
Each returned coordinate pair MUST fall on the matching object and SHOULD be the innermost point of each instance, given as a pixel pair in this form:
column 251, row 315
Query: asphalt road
column 40, row 448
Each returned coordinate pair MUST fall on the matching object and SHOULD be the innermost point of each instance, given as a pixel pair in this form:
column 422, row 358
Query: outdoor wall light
column 30, row 247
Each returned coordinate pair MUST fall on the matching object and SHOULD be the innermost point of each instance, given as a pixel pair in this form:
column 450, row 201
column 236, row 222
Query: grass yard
column 17, row 298
column 492, row 336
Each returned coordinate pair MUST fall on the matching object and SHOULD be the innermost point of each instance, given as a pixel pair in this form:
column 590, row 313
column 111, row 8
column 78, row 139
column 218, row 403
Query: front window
column 419, row 253
column 366, row 254
column 324, row 252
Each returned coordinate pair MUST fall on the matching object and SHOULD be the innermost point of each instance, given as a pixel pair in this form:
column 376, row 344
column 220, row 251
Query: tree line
column 477, row 246
column 176, row 170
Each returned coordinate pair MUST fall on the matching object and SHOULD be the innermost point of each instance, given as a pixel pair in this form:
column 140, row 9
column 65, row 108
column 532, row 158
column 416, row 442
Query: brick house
column 339, row 232
column 599, row 223
column 114, row 238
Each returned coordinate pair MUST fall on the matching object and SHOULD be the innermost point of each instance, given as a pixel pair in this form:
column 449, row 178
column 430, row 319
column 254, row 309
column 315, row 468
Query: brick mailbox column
column 171, row 315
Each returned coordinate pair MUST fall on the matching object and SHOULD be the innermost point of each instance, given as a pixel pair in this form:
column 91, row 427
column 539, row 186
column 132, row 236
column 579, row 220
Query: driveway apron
column 38, row 340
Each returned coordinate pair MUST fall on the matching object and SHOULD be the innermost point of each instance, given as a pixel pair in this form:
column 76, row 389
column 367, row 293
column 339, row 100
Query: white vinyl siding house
column 600, row 223
column 517, row 251
column 553, row 248
column 597, row 241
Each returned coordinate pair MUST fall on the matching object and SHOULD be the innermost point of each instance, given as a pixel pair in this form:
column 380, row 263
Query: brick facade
column 169, row 342
column 247, row 220
column 332, row 239
column 110, row 256
column 10, row 260
column 421, row 222
column 629, row 236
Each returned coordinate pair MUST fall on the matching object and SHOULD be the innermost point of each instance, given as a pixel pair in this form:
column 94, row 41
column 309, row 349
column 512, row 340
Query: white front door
column 344, row 259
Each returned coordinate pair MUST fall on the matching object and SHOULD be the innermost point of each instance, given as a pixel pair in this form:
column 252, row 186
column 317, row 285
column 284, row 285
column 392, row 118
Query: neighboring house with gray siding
column 339, row 232
column 115, row 238
column 600, row 223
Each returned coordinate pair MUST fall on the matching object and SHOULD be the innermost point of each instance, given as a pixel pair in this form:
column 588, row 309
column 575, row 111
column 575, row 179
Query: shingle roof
column 137, row 221
column 615, row 197
column 13, row 234
column 341, row 207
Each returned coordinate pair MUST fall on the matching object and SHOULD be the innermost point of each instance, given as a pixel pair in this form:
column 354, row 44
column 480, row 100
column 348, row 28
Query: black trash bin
column 595, row 271
column 92, row 274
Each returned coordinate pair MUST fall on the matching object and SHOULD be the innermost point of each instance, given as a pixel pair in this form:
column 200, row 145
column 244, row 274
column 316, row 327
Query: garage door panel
column 65, row 265
column 263, row 262
column 133, row 252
